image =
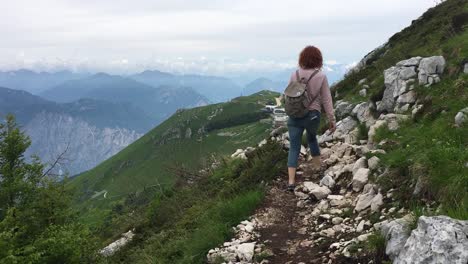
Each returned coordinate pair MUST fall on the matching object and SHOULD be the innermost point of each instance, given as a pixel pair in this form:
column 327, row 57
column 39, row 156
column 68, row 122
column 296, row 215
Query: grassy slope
column 145, row 163
column 429, row 146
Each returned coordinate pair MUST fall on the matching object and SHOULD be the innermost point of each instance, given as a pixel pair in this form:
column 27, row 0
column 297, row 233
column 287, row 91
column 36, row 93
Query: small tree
column 35, row 214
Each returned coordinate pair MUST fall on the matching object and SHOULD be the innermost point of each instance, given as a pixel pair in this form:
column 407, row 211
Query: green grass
column 149, row 162
column 428, row 147
column 184, row 223
column 432, row 148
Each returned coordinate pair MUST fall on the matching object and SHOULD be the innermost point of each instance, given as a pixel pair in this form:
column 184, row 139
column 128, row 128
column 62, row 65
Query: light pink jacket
column 318, row 85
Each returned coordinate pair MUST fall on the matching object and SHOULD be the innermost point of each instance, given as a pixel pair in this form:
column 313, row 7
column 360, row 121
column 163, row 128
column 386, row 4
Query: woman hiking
column 313, row 83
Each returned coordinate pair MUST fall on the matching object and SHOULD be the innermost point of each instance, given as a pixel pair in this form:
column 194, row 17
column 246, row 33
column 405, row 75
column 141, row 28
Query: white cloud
column 99, row 34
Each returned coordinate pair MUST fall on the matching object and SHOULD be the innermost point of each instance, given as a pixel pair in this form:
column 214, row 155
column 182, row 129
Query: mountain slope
column 158, row 102
column 92, row 130
column 189, row 139
column 216, row 89
column 381, row 179
column 429, row 150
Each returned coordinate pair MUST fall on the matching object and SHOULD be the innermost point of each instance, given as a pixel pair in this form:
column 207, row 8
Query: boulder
column 410, row 62
column 360, row 178
column 396, row 233
column 406, row 73
column 376, row 202
column 373, row 163
column 363, row 92
column 328, row 181
column 343, row 108
column 461, row 117
column 465, row 69
column 360, row 163
column 430, row 66
column 407, row 98
column 362, row 112
column 362, row 81
column 320, row 192
column 364, row 200
column 245, row 251
column 118, row 244
column 437, row 239
column 343, row 128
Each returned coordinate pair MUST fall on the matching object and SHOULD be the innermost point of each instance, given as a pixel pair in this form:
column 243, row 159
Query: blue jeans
column 296, row 127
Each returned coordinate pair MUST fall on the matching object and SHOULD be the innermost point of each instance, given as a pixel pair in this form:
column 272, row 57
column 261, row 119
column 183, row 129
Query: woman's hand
column 332, row 126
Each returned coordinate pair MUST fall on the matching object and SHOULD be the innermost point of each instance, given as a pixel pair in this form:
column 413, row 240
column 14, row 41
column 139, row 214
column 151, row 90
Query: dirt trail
column 286, row 235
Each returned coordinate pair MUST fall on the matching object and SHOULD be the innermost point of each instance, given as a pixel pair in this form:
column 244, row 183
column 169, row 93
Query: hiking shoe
column 291, row 188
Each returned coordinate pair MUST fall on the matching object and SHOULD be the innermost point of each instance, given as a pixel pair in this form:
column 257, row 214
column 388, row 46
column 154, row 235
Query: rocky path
column 341, row 215
column 321, row 222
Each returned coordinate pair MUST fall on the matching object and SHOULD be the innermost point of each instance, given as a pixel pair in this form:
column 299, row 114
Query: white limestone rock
column 407, row 98
column 410, row 62
column 362, row 112
column 360, row 178
column 328, row 181
column 376, row 202
column 430, row 66
column 363, row 92
column 396, row 233
column 461, row 117
column 373, row 163
column 343, row 108
column 245, row 251
column 118, row 244
column 360, row 163
column 437, row 239
column 364, row 200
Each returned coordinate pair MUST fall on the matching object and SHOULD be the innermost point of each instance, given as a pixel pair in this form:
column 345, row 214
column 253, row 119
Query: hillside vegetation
column 429, row 146
column 188, row 141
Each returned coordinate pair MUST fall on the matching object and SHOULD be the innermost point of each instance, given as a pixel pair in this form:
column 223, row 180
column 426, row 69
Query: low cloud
column 124, row 36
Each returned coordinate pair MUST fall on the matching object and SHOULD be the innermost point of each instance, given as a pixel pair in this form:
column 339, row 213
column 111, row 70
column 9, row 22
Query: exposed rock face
column 461, row 117
column 437, row 239
column 428, row 67
column 360, row 178
column 396, row 232
column 88, row 145
column 400, row 79
column 343, row 108
column 343, row 128
column 362, row 112
column 118, row 244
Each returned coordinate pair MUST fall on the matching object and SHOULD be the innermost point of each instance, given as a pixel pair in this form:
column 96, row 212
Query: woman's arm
column 327, row 101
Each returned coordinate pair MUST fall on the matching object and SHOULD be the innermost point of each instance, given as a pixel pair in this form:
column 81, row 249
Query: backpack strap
column 312, row 75
column 315, row 97
column 297, row 75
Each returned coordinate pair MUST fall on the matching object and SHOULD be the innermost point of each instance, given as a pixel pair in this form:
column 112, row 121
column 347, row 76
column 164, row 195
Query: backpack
column 296, row 100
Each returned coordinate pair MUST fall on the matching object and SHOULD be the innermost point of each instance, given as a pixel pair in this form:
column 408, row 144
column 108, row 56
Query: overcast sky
column 205, row 36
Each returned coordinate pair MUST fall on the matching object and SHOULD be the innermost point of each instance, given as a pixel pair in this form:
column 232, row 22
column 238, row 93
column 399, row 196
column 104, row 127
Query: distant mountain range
column 157, row 102
column 216, row 89
column 99, row 114
column 92, row 130
column 36, row 82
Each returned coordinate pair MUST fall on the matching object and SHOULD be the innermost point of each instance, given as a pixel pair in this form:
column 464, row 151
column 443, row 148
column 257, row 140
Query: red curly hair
column 310, row 58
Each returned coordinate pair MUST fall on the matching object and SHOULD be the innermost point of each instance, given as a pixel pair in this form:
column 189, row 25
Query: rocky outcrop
column 437, row 239
column 400, row 81
column 343, row 109
column 86, row 145
column 118, row 244
column 461, row 117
